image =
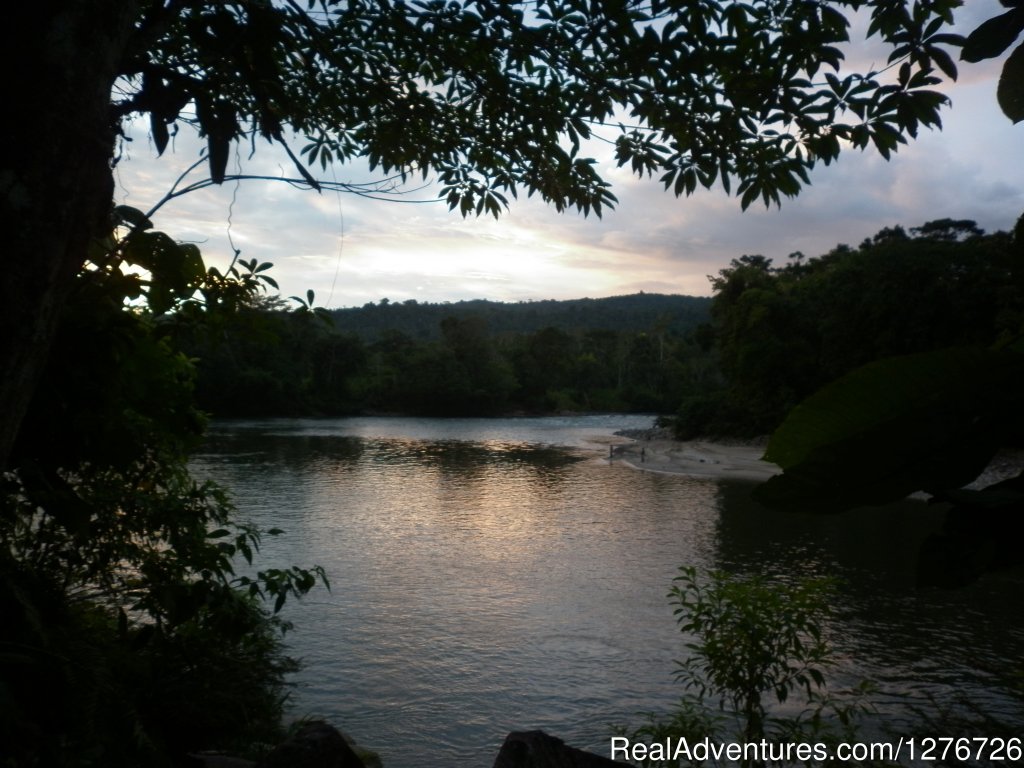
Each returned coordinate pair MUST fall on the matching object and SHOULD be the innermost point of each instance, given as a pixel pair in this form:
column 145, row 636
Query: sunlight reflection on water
column 486, row 580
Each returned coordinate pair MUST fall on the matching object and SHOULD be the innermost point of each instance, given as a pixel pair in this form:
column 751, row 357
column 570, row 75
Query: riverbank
column 654, row 451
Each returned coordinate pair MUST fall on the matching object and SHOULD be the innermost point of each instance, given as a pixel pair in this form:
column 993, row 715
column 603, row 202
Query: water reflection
column 511, row 580
column 880, row 543
column 921, row 647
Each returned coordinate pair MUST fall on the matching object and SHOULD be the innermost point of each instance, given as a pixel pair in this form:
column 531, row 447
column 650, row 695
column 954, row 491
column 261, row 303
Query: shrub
column 757, row 651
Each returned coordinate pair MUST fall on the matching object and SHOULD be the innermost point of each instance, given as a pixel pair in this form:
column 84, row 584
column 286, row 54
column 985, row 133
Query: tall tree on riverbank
column 782, row 332
column 491, row 98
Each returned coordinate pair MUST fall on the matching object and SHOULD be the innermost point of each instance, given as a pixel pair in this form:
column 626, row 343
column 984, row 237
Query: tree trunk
column 56, row 183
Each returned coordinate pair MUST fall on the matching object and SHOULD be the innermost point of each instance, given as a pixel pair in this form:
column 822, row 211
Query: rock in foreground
column 535, row 749
column 315, row 745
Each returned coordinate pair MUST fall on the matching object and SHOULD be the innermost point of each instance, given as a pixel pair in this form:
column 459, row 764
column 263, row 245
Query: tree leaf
column 192, row 268
column 943, row 61
column 218, row 149
column 299, row 166
column 150, row 250
column 993, row 37
column 1011, row 86
column 158, row 128
column 133, row 217
column 217, row 121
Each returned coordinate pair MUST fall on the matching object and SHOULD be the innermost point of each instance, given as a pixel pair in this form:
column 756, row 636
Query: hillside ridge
column 633, row 312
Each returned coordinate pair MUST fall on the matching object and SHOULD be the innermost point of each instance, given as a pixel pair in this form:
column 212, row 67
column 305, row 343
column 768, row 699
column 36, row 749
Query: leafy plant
column 128, row 638
column 780, row 333
column 754, row 647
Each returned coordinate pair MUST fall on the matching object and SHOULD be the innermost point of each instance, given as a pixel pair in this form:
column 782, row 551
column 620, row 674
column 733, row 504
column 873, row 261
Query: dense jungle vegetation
column 734, row 364
column 779, row 333
column 464, row 359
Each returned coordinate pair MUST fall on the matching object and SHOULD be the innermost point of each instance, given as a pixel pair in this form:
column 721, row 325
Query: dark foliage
column 781, row 333
column 128, row 637
column 624, row 353
column 422, row 320
column 881, row 371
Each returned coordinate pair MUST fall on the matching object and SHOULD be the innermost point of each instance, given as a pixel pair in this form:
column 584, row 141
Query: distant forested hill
column 733, row 364
column 422, row 321
column 626, row 353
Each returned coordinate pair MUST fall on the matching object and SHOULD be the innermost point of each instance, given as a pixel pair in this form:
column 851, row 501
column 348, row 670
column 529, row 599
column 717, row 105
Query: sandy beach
column 698, row 458
column 705, row 458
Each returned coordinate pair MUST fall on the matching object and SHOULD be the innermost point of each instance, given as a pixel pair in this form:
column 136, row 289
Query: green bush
column 757, row 651
column 126, row 637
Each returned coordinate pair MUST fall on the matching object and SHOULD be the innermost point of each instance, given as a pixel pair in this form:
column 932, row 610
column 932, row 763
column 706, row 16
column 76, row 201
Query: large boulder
column 535, row 749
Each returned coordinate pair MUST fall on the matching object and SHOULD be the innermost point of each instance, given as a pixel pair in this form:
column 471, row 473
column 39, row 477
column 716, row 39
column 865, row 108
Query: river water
column 494, row 575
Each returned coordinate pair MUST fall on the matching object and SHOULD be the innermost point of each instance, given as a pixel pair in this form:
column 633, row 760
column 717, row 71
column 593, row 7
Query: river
column 494, row 575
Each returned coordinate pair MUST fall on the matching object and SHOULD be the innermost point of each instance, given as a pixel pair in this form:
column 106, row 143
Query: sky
column 350, row 250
